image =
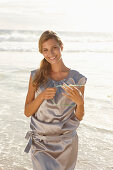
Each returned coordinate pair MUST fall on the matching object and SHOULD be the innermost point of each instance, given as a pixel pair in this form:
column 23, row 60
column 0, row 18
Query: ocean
column 90, row 53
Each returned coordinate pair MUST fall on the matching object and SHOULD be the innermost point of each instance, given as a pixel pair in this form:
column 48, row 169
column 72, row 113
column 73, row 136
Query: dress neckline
column 63, row 78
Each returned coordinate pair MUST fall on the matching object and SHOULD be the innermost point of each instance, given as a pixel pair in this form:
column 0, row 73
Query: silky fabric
column 53, row 138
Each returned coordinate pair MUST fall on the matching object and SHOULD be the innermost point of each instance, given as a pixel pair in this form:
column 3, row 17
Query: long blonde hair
column 41, row 75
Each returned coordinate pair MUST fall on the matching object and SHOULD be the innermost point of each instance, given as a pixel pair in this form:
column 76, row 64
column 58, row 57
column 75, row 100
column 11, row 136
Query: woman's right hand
column 48, row 93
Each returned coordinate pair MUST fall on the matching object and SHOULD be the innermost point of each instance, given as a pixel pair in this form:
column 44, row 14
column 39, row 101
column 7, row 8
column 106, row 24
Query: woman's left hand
column 74, row 94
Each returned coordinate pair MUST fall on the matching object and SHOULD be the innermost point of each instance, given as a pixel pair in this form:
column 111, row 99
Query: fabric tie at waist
column 30, row 135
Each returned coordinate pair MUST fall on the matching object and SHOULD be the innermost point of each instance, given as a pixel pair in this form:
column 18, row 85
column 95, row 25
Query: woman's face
column 51, row 51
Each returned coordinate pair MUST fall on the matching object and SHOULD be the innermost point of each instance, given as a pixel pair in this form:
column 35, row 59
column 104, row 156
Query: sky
column 60, row 15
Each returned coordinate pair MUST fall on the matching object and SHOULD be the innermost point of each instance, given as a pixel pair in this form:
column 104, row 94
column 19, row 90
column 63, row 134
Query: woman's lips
column 52, row 58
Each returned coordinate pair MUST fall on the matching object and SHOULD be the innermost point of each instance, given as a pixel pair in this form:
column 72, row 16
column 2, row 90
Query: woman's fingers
column 67, row 88
column 52, row 89
column 49, row 93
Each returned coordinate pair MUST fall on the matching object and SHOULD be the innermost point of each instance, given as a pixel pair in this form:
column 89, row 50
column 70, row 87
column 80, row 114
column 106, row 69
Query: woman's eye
column 44, row 50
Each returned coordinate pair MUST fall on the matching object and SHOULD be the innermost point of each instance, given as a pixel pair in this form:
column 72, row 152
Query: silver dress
column 53, row 137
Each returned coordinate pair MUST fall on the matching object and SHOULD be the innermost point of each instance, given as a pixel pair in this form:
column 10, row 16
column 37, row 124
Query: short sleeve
column 79, row 78
column 82, row 79
column 33, row 73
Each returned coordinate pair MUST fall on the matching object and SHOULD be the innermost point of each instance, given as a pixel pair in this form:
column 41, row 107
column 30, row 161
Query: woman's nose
column 51, row 52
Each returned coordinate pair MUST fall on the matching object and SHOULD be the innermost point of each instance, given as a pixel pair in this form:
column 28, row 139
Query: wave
column 94, row 128
column 17, row 50
column 75, row 42
column 67, row 51
column 87, row 51
column 68, row 36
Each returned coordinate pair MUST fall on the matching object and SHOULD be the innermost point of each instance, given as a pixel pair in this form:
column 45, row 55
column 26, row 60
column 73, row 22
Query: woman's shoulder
column 76, row 72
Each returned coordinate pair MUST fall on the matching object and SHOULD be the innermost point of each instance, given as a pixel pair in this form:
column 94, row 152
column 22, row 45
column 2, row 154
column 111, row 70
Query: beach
column 82, row 52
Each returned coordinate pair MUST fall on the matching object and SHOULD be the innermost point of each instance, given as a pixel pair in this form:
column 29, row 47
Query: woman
column 55, row 102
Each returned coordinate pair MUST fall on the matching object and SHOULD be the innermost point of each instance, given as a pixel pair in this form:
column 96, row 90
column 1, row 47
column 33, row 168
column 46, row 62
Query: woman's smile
column 52, row 58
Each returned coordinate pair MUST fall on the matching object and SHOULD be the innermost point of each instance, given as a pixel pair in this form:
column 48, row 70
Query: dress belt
column 30, row 135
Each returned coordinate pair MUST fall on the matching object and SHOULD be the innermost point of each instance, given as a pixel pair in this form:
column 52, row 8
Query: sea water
column 89, row 53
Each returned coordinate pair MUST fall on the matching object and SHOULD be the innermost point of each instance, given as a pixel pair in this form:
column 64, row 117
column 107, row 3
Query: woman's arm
column 79, row 110
column 32, row 104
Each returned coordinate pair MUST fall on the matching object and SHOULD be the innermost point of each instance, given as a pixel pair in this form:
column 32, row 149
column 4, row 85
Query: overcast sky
column 65, row 15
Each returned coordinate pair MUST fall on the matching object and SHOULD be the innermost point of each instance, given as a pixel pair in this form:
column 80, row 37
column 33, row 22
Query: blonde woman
column 55, row 103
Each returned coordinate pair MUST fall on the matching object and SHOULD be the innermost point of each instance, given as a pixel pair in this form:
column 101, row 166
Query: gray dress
column 53, row 137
